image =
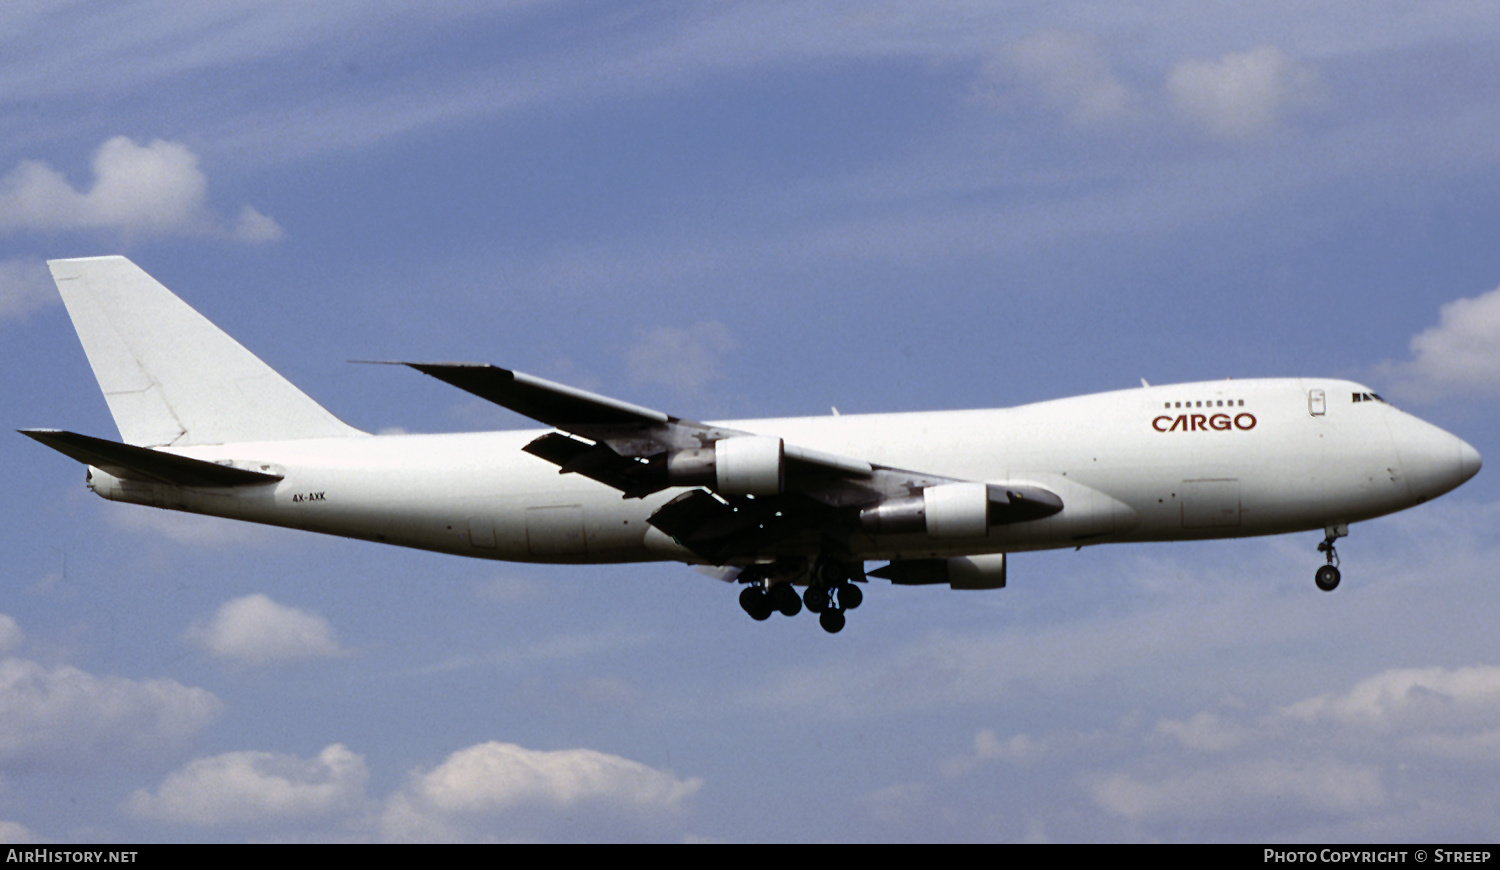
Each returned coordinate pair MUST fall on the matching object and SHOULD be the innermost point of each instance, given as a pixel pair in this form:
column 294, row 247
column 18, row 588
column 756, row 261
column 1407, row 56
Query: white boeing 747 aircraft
column 774, row 504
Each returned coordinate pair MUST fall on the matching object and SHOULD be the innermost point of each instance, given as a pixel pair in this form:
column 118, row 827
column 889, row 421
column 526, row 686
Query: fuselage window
column 1210, row 403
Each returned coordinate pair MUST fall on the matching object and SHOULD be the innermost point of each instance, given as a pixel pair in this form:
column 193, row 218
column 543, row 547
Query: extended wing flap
column 718, row 531
column 143, row 463
column 632, row 477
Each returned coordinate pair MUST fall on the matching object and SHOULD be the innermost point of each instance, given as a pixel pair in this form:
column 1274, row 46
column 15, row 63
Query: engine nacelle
column 960, row 572
column 947, row 510
column 749, row 465
column 959, row 510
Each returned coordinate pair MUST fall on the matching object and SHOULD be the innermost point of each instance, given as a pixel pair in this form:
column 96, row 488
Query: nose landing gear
column 1327, row 577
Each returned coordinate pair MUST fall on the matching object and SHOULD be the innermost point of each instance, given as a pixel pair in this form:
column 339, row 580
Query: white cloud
column 25, row 286
column 256, row 630
column 685, row 360
column 485, row 792
column 473, row 792
column 255, row 227
column 256, row 788
column 1244, row 789
column 1242, row 95
column 150, row 190
column 1021, row 750
column 64, row 717
column 1460, row 355
column 1410, row 698
column 1397, row 750
column 1205, row 732
column 11, row 635
column 1068, row 71
column 15, row 832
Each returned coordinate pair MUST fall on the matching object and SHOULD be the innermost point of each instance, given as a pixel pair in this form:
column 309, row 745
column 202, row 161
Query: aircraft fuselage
column 1214, row 459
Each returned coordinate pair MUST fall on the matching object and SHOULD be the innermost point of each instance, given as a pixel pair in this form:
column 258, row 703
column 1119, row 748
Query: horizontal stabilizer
column 142, row 463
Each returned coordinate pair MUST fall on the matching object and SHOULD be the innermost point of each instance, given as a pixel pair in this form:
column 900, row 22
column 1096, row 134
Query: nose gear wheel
column 1327, row 577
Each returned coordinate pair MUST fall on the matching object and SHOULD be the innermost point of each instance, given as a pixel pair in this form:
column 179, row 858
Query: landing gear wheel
column 850, row 596
column 832, row 620
column 1327, row 577
column 816, row 598
column 753, row 600
column 784, row 598
column 831, row 573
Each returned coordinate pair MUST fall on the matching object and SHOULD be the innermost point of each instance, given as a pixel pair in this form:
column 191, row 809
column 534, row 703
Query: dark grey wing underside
column 719, row 531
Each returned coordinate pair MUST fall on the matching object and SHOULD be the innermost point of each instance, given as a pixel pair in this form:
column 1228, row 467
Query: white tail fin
column 169, row 375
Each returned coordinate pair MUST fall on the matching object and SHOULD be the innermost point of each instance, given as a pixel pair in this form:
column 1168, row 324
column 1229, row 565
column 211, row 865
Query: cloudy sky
column 753, row 209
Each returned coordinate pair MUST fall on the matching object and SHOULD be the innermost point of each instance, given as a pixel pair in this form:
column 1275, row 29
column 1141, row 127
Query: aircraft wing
column 629, row 431
column 551, row 403
column 748, row 492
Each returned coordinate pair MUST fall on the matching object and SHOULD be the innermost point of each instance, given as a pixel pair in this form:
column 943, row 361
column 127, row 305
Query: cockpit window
column 1369, row 397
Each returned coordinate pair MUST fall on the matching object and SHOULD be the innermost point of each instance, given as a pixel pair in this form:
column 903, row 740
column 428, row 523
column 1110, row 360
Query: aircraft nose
column 1435, row 461
column 1468, row 461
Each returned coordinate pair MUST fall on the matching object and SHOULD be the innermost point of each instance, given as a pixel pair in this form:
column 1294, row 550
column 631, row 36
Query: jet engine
column 961, row 572
column 749, row 465
column 959, row 510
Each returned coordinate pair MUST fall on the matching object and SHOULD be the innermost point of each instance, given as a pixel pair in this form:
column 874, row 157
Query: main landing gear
column 1327, row 576
column 830, row 603
column 830, row 593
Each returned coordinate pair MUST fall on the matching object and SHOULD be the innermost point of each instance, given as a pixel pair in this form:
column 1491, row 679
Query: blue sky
column 757, row 209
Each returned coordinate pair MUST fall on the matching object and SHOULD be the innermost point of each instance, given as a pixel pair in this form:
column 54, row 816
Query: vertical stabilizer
column 169, row 375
